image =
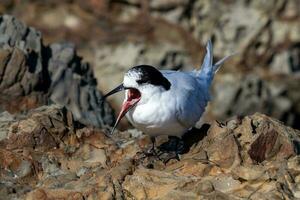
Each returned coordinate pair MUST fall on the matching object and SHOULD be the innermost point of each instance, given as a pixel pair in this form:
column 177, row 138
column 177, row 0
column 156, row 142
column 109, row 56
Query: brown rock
column 250, row 172
column 14, row 165
column 220, row 146
column 149, row 184
column 191, row 167
column 43, row 130
column 204, row 186
column 225, row 183
column 85, row 164
column 272, row 140
column 41, row 194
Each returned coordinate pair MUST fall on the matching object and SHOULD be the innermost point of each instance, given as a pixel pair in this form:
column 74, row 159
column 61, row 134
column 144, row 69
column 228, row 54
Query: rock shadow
column 178, row 146
column 193, row 136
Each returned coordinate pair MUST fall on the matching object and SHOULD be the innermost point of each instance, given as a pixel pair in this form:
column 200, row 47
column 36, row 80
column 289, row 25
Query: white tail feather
column 218, row 64
column 207, row 68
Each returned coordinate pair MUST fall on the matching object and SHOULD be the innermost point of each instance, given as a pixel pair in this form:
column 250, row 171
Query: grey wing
column 190, row 107
column 192, row 96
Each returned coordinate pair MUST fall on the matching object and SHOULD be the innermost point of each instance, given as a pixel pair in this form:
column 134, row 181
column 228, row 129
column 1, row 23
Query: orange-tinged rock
column 52, row 161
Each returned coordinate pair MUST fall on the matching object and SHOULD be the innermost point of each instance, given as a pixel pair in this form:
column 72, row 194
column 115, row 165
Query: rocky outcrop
column 47, row 155
column 32, row 74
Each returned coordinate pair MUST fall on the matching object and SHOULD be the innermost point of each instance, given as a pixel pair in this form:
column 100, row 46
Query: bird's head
column 140, row 83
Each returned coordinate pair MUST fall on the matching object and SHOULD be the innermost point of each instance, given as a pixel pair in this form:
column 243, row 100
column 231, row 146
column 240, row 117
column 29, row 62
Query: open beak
column 132, row 98
column 117, row 89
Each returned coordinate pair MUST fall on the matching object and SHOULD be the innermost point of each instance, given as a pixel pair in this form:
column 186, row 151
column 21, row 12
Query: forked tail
column 208, row 69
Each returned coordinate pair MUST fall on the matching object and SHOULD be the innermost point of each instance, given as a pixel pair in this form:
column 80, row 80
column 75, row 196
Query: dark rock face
column 32, row 74
column 46, row 155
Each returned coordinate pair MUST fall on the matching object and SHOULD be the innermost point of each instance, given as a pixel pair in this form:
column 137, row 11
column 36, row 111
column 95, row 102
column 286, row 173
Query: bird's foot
column 173, row 147
column 151, row 152
column 149, row 157
column 166, row 151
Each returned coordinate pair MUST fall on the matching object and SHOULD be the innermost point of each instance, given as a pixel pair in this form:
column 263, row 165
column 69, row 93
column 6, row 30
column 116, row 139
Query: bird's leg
column 153, row 144
column 151, row 151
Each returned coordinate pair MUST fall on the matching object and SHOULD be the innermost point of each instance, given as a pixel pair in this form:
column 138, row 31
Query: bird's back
column 192, row 95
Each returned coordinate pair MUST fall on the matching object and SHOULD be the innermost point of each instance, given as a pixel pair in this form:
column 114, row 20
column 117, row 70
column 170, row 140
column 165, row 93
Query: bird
column 166, row 102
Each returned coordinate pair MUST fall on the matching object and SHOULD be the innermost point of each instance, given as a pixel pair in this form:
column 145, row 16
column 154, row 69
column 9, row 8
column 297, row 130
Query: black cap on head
column 150, row 75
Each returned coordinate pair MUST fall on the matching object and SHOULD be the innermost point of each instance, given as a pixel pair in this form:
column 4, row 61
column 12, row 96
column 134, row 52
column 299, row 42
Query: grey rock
column 24, row 169
column 226, row 183
column 244, row 94
column 82, row 171
column 50, row 167
column 245, row 97
column 74, row 86
column 31, row 72
column 287, row 62
column 250, row 28
column 6, row 119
